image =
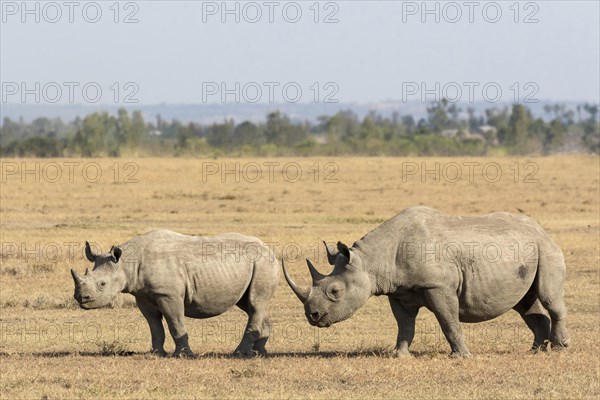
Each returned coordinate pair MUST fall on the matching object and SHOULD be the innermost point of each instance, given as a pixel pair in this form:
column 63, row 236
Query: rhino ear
column 343, row 249
column 116, row 253
column 354, row 260
column 89, row 254
column 332, row 253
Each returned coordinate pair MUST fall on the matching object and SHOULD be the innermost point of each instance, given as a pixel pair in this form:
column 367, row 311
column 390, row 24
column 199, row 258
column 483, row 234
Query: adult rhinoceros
column 467, row 269
column 173, row 275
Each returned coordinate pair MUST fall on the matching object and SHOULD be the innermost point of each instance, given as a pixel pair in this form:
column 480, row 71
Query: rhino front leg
column 173, row 311
column 154, row 318
column 444, row 304
column 255, row 303
column 405, row 317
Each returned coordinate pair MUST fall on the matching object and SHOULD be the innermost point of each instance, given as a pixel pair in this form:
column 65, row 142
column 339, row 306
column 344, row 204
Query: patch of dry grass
column 49, row 347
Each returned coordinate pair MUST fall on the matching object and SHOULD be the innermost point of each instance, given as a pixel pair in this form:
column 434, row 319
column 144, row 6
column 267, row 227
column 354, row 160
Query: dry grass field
column 49, row 348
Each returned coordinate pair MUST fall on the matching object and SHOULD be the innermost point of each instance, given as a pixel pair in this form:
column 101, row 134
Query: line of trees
column 447, row 130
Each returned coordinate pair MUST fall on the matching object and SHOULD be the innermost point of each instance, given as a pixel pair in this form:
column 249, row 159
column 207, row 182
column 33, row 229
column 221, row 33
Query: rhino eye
column 101, row 285
column 335, row 292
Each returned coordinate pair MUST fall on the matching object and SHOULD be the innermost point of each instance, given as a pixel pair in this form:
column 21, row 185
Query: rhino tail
column 253, row 291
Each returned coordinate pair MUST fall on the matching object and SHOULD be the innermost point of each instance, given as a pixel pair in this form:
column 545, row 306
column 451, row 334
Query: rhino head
column 100, row 286
column 335, row 297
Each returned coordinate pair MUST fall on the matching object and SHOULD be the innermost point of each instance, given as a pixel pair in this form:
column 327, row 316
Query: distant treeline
column 447, row 130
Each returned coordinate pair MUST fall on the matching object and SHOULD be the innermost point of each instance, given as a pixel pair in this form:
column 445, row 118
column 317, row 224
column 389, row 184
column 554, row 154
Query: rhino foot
column 158, row 352
column 536, row 347
column 560, row 342
column 540, row 349
column 261, row 353
column 560, row 346
column 185, row 352
column 246, row 353
column 401, row 353
column 259, row 346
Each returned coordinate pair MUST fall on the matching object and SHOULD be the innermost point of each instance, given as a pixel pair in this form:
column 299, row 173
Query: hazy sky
column 377, row 50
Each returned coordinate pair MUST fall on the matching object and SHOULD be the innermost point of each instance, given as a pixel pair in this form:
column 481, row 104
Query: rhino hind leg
column 256, row 333
column 265, row 332
column 550, row 288
column 536, row 317
column 444, row 305
column 245, row 348
column 255, row 303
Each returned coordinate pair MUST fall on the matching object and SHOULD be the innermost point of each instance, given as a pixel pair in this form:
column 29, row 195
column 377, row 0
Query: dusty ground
column 49, row 347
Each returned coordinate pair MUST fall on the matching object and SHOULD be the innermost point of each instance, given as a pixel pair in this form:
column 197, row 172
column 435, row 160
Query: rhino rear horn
column 89, row 254
column 316, row 275
column 298, row 291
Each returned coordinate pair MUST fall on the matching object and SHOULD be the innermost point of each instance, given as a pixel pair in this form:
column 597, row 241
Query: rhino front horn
column 301, row 293
column 76, row 278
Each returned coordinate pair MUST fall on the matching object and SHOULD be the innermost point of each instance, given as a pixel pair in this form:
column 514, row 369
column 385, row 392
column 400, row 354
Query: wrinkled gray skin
column 173, row 276
column 481, row 268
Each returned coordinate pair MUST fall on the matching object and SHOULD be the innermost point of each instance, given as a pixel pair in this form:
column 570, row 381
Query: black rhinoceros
column 467, row 269
column 173, row 276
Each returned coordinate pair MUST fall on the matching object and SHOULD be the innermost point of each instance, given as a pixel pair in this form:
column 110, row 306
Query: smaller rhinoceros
column 173, row 275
